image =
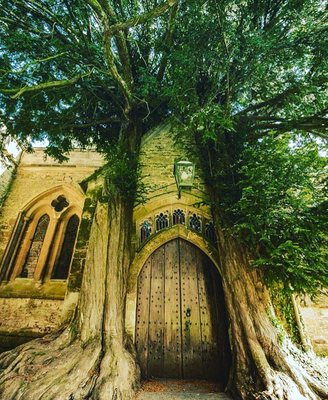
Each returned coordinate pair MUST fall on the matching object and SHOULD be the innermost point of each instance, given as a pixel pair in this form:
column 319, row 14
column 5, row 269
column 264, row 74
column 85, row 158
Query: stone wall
column 315, row 318
column 35, row 175
column 25, row 318
column 31, row 308
column 159, row 150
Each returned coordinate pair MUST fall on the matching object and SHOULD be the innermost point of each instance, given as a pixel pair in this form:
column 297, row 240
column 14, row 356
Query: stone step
column 178, row 389
column 182, row 396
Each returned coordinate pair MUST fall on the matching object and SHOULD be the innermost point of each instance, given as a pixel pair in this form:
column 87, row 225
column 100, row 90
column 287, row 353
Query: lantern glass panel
column 184, row 173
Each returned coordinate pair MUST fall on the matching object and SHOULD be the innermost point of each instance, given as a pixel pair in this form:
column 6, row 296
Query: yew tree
column 246, row 82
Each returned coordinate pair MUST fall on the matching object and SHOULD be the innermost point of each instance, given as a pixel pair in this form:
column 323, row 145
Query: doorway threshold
column 180, row 389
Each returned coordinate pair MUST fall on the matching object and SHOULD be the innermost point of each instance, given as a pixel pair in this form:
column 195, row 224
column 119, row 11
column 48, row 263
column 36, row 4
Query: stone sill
column 27, row 288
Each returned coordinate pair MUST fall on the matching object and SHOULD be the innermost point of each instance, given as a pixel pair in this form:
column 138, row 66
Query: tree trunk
column 262, row 367
column 92, row 358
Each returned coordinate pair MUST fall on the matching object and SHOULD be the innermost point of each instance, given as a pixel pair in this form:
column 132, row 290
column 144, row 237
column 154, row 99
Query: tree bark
column 91, row 358
column 262, row 368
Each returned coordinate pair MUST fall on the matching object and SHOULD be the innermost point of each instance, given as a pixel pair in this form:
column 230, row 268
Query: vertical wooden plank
column 209, row 317
column 191, row 331
column 181, row 327
column 156, row 315
column 172, row 331
column 142, row 315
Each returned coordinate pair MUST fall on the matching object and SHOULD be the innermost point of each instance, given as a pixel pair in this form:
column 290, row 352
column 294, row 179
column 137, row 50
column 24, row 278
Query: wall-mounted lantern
column 184, row 172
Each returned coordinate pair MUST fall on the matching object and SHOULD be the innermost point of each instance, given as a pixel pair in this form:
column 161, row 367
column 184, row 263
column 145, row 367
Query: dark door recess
column 181, row 326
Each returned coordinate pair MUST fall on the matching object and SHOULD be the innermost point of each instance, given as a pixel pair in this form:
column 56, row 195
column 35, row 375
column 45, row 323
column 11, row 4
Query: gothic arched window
column 195, row 223
column 162, row 221
column 63, row 262
column 210, row 232
column 43, row 238
column 145, row 231
column 34, row 251
column 178, row 217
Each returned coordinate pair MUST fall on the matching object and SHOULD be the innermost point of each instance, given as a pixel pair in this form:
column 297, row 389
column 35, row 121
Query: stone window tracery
column 189, row 217
column 210, row 232
column 195, row 223
column 35, row 248
column 178, row 217
column 42, row 242
column 60, row 203
column 145, row 231
column 162, row 221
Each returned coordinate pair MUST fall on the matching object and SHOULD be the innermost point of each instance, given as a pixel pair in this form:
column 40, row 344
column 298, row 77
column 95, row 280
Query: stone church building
column 45, row 222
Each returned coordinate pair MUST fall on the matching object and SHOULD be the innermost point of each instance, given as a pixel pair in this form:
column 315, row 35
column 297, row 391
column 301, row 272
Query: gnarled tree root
column 57, row 367
column 263, row 368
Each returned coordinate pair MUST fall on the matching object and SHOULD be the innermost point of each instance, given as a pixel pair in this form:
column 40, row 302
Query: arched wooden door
column 181, row 326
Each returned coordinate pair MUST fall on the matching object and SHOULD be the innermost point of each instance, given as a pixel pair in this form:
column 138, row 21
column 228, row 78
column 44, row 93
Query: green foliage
column 285, row 310
column 281, row 212
column 122, row 176
column 6, row 180
column 243, row 78
column 209, row 121
column 63, row 41
column 281, row 333
column 264, row 63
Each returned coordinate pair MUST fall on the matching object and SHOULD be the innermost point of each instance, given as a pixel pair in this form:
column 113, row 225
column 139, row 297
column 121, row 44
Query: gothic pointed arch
column 178, row 231
column 173, row 232
column 44, row 227
column 181, row 324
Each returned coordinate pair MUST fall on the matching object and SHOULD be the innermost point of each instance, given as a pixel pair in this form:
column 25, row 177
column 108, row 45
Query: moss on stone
column 75, row 281
column 28, row 288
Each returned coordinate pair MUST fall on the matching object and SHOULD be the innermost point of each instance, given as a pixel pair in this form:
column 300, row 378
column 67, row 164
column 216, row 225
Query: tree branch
column 227, row 52
column 140, row 19
column 121, row 43
column 41, row 16
column 40, row 8
column 167, row 42
column 92, row 123
column 279, row 98
column 44, row 86
column 7, row 156
column 40, row 11
column 76, row 22
column 103, row 12
column 316, row 126
column 33, row 63
column 282, row 97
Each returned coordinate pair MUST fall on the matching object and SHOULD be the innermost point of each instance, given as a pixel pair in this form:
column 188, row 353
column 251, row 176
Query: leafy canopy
column 72, row 71
column 282, row 210
column 245, row 79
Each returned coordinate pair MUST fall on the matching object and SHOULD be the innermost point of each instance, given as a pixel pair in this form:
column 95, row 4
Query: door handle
column 187, row 326
column 188, row 312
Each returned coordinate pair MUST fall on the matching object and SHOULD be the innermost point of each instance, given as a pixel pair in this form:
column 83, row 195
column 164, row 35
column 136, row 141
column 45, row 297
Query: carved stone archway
column 177, row 231
column 175, row 308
